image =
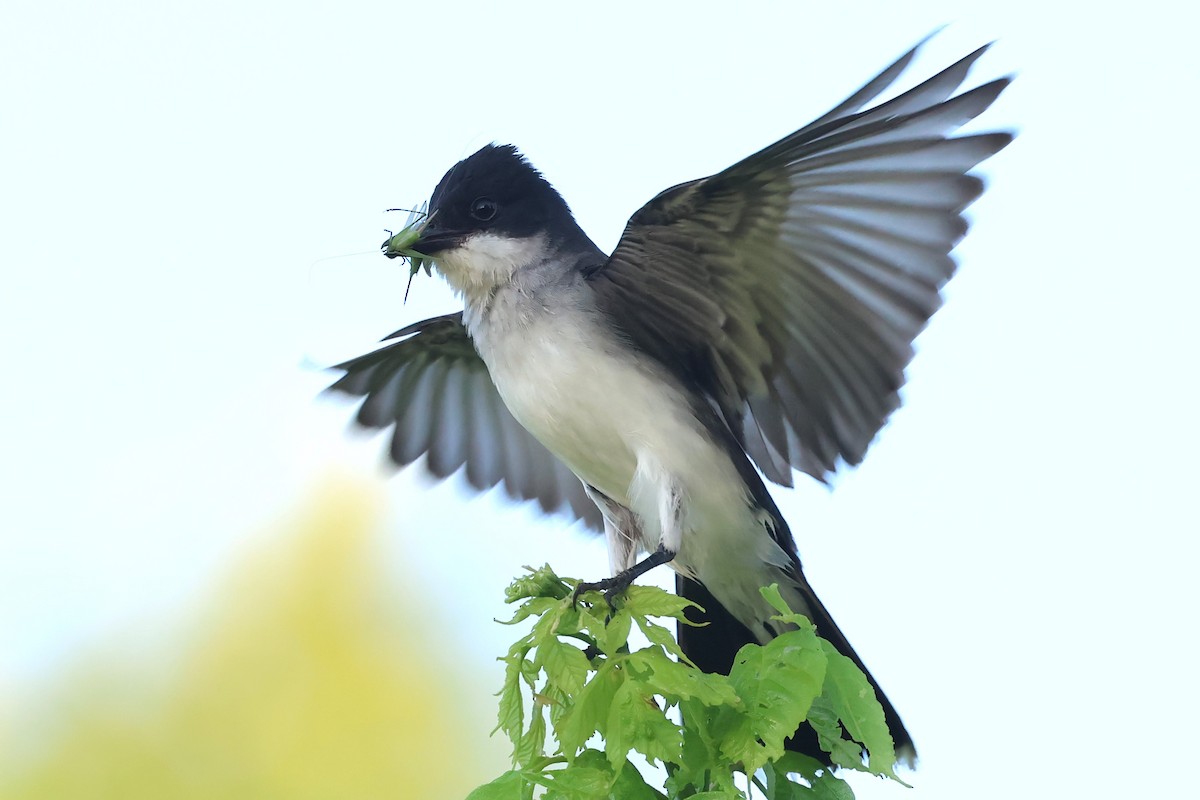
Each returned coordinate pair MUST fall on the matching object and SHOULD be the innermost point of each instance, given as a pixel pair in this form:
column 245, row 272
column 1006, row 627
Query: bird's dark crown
column 497, row 190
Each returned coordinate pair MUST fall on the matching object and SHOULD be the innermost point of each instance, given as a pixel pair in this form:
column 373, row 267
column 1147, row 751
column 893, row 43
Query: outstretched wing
column 789, row 287
column 435, row 389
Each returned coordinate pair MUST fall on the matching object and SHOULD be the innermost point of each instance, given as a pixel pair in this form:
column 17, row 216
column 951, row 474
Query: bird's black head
column 495, row 191
column 492, row 216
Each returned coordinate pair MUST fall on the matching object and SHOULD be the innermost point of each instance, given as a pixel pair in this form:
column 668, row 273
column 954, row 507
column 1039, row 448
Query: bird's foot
column 611, row 587
column 614, row 586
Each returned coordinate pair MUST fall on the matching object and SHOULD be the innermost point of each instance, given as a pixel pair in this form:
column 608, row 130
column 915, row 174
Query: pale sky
column 179, row 183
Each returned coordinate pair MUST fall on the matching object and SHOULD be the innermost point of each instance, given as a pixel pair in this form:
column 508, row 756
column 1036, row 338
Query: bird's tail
column 712, row 648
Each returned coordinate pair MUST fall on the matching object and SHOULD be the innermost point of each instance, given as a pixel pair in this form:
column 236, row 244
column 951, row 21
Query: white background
column 1014, row 560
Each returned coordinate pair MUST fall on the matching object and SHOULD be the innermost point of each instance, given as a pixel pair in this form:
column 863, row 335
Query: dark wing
column 789, row 288
column 434, row 387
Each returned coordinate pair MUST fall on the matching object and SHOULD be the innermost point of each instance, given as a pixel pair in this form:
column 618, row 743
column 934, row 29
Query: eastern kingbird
column 748, row 324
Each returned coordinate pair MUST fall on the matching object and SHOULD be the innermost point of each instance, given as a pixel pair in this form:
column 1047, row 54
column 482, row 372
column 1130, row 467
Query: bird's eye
column 483, row 209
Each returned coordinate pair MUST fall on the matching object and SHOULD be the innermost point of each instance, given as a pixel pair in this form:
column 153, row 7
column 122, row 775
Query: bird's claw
column 611, row 588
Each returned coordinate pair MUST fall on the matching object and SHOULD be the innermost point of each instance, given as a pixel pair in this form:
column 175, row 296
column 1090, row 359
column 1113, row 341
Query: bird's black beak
column 420, row 239
column 419, row 243
column 429, row 243
column 434, row 240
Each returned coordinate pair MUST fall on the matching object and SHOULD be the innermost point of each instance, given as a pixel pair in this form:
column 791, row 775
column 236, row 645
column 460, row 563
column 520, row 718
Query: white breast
column 624, row 426
column 590, row 406
column 615, row 418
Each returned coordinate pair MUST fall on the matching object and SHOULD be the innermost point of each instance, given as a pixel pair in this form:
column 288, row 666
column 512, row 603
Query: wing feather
column 788, row 288
column 434, row 390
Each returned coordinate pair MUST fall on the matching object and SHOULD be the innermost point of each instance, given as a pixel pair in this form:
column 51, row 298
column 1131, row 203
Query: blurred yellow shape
column 305, row 680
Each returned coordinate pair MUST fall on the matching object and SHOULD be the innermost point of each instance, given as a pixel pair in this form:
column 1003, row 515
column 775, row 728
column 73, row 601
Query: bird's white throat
column 486, row 261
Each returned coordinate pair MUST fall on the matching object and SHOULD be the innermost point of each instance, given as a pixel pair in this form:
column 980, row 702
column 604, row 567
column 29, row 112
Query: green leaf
column 612, row 635
column 512, row 785
column 635, row 722
column 529, row 672
column 805, row 766
column 630, row 785
column 677, row 681
column 585, row 781
column 534, row 606
column 823, row 718
column 558, row 702
column 540, row 582
column 853, row 699
column 651, row 601
column 825, row 785
column 566, row 666
column 777, row 683
column 590, row 712
column 772, row 596
column 511, row 711
column 547, row 626
column 700, row 759
column 731, row 725
column 533, row 743
column 662, row 637
column 593, row 758
column 591, row 777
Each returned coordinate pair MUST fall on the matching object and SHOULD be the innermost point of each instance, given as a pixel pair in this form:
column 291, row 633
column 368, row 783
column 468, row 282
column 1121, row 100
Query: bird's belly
column 616, row 419
column 626, row 428
column 592, row 409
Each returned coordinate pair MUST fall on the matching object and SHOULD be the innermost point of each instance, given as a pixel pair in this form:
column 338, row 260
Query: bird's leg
column 622, row 530
column 620, row 582
column 671, row 513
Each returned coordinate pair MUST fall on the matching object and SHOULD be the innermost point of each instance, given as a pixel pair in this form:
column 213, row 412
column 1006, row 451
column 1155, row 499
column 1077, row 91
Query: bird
column 748, row 325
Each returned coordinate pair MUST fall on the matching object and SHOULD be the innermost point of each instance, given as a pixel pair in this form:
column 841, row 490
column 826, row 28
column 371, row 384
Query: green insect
column 399, row 245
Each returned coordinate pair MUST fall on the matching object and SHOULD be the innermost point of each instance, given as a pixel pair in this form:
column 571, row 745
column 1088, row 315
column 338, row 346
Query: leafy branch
column 577, row 702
